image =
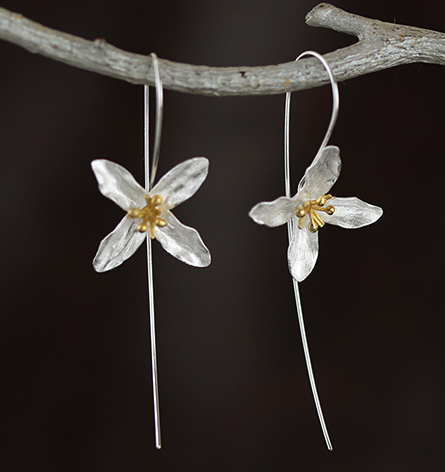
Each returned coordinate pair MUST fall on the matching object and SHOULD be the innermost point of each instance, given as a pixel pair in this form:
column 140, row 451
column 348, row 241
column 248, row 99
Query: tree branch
column 381, row 46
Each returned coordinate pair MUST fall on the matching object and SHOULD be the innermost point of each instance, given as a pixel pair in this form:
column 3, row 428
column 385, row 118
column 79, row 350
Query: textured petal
column 182, row 242
column 303, row 252
column 321, row 175
column 118, row 246
column 274, row 213
column 116, row 183
column 352, row 212
column 181, row 182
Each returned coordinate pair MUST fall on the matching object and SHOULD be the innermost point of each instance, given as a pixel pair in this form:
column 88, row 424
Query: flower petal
column 303, row 252
column 352, row 212
column 118, row 246
column 321, row 175
column 182, row 242
column 274, row 213
column 181, row 182
column 117, row 184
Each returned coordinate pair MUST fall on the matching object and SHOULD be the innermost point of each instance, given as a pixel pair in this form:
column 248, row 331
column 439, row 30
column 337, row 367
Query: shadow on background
column 74, row 345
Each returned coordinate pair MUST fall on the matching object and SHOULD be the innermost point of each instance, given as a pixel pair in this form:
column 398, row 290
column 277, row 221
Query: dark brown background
column 75, row 385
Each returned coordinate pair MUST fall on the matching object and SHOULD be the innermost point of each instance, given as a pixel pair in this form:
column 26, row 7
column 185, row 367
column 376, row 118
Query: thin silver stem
column 151, row 298
column 291, row 226
column 309, row 366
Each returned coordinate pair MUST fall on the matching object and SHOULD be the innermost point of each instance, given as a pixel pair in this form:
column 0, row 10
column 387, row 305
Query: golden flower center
column 310, row 208
column 150, row 215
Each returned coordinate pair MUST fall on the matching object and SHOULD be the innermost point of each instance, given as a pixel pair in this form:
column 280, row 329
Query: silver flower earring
column 148, row 216
column 308, row 211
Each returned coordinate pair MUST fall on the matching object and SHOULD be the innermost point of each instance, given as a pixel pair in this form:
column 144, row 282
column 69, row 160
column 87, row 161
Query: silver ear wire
column 290, row 227
column 334, row 114
column 149, row 179
column 150, row 175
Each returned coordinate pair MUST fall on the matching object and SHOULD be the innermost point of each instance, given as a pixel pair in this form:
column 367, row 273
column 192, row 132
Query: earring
column 307, row 211
column 148, row 216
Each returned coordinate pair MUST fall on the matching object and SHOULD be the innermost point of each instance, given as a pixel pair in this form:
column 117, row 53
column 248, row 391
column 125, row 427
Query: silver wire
column 159, row 114
column 291, row 226
column 148, row 184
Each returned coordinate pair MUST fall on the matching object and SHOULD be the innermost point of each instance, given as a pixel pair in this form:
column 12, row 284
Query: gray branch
column 380, row 46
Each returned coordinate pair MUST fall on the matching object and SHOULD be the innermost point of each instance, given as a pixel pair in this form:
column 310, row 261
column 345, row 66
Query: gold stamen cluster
column 310, row 207
column 149, row 214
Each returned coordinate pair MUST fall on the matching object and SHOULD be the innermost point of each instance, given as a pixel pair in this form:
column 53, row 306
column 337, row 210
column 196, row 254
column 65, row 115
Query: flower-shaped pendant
column 149, row 214
column 311, row 208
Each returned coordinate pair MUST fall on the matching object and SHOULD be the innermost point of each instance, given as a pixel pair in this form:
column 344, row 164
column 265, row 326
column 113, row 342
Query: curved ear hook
column 335, row 107
column 291, row 228
column 151, row 174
